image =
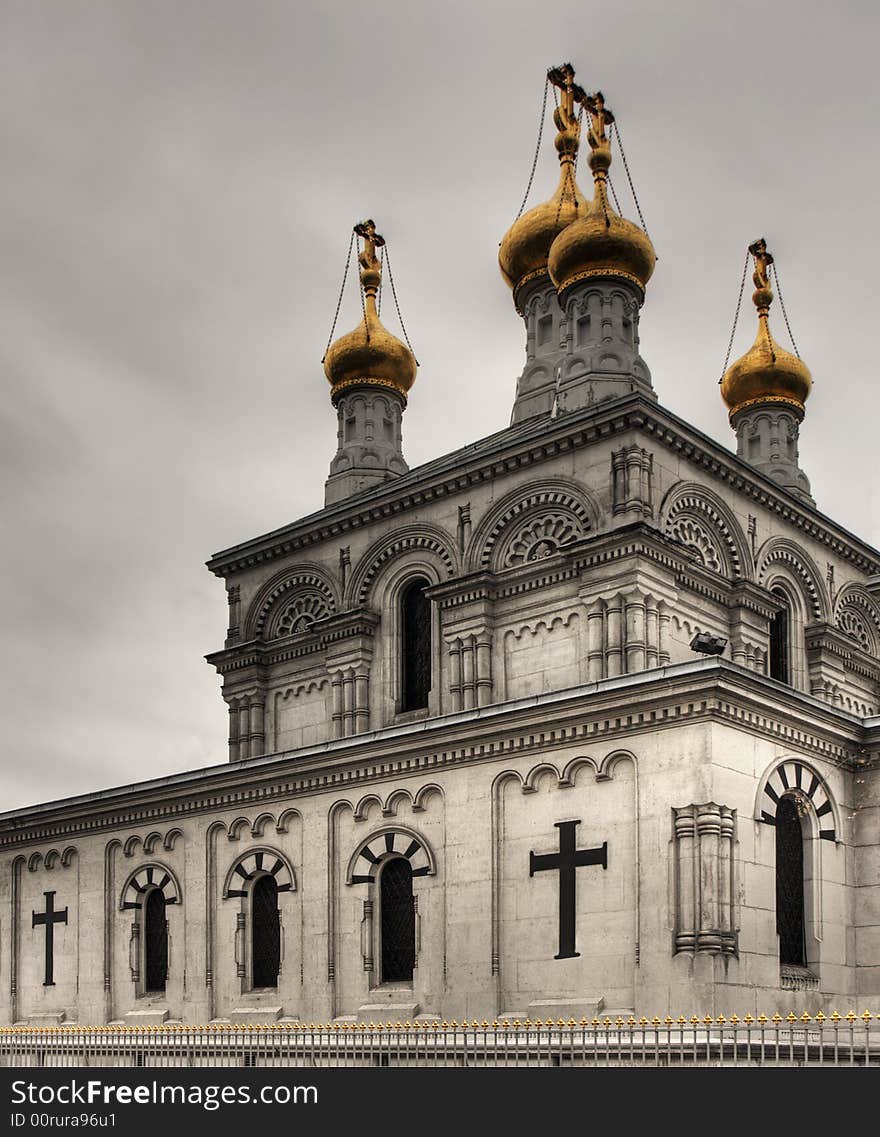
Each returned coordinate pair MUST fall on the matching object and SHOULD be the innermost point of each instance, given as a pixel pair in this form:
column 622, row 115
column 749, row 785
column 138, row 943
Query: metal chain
column 537, row 149
column 782, row 306
column 614, row 196
column 339, row 301
column 396, row 304
column 742, row 285
column 632, row 188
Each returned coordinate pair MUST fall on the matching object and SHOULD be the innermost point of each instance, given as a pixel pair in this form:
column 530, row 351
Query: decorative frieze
column 703, row 866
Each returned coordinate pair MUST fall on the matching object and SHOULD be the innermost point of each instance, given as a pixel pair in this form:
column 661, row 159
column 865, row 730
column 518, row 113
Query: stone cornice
column 826, row 637
column 531, row 444
column 597, row 714
column 322, row 634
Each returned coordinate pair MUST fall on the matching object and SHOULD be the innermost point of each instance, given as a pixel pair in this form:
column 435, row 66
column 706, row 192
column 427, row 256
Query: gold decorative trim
column 364, row 381
column 796, row 403
column 588, row 273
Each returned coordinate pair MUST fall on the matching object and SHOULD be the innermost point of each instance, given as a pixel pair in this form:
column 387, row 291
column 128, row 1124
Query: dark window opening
column 790, row 884
column 779, row 642
column 155, row 942
column 398, row 921
column 265, row 933
column 416, row 620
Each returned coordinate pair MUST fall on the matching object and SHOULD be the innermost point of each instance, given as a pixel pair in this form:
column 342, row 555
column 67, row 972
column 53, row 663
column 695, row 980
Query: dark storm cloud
column 179, row 184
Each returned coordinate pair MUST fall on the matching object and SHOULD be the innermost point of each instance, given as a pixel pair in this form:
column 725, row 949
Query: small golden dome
column 766, row 373
column 369, row 356
column 522, row 256
column 601, row 242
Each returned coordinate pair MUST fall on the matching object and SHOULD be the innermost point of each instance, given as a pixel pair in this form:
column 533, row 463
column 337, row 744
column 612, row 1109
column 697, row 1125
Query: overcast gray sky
column 179, row 182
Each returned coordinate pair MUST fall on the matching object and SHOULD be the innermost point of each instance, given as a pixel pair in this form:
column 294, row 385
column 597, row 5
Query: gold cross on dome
column 600, row 117
column 562, row 78
column 372, row 241
column 763, row 260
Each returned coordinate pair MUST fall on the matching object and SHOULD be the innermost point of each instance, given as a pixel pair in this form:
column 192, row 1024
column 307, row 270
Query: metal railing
column 834, row 1040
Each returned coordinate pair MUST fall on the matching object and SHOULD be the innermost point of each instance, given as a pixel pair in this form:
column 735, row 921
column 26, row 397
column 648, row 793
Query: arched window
column 155, row 942
column 790, row 920
column 780, row 640
column 265, row 933
column 398, row 921
column 415, row 611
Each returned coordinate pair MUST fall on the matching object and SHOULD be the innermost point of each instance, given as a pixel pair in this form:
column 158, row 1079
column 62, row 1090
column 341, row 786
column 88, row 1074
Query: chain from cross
column 763, row 260
column 49, row 918
column 600, row 117
column 566, row 862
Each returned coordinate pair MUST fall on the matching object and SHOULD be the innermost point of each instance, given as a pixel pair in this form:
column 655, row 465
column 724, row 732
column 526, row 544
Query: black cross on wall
column 50, row 918
column 566, row 861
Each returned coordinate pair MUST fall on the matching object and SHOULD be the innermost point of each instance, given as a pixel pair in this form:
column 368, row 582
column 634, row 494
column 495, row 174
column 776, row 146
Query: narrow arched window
column 398, row 921
column 780, row 640
column 790, row 922
column 155, row 941
column 265, row 933
column 415, row 611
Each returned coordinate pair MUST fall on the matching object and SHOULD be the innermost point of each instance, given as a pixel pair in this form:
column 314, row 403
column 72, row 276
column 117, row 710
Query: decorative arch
column 302, row 593
column 255, row 861
column 857, row 614
column 392, row 839
column 422, row 538
column 532, row 522
column 145, row 877
column 795, row 777
column 780, row 553
column 694, row 515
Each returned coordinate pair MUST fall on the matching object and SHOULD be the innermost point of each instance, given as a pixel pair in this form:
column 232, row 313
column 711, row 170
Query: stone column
column 685, row 924
column 635, row 632
column 709, row 833
column 652, row 632
column 338, row 712
column 614, row 632
column 484, row 669
column 257, row 716
column 361, row 701
column 467, row 672
column 244, row 718
column 348, row 715
column 233, row 732
column 596, row 641
column 455, row 674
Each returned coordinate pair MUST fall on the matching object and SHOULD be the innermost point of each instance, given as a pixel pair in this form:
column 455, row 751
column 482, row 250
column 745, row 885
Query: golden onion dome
column 766, row 373
column 600, row 242
column 522, row 256
column 369, row 356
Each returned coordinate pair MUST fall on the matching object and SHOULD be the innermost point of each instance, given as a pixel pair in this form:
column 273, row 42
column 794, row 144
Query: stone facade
column 568, row 561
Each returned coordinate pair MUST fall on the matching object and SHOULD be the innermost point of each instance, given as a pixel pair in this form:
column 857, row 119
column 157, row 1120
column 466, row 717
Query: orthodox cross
column 570, row 93
column 566, row 861
column 50, row 918
column 763, row 260
column 372, row 241
column 600, row 117
column 371, row 270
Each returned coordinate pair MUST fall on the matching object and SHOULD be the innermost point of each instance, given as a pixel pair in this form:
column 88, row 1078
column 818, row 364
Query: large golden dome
column 522, row 256
column 767, row 373
column 600, row 242
column 369, row 356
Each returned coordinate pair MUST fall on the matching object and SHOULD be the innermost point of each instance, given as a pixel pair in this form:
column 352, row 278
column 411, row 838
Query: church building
column 582, row 719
